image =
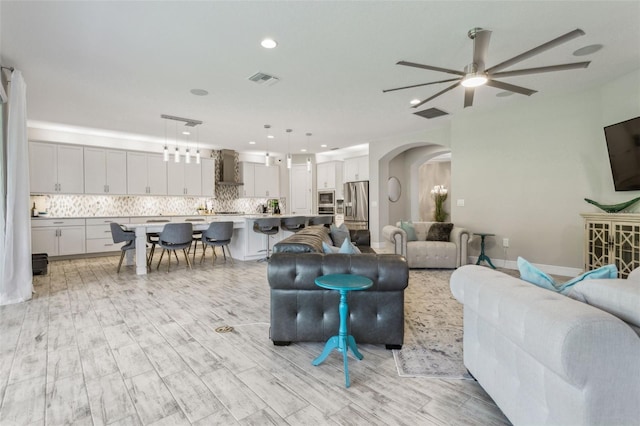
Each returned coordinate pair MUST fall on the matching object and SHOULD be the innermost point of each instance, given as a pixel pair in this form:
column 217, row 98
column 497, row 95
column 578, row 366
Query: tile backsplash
column 109, row 205
column 226, row 200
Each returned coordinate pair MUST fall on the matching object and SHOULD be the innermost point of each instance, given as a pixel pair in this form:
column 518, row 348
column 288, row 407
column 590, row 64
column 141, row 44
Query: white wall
column 525, row 170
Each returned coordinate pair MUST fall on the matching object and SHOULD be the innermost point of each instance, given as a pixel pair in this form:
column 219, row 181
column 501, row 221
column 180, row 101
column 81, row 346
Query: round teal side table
column 344, row 283
column 482, row 255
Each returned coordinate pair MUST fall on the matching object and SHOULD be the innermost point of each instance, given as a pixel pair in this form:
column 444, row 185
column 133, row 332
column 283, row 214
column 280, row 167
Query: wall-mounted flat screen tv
column 623, row 143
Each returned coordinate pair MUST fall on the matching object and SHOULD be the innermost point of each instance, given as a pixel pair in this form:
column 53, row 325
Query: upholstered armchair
column 449, row 252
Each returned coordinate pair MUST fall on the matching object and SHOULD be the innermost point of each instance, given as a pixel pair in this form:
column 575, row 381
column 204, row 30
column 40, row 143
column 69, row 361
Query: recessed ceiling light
column 252, row 142
column 268, row 43
column 270, row 136
column 414, row 101
column 186, row 133
column 324, row 145
column 303, row 150
column 587, row 50
column 199, row 92
column 504, row 94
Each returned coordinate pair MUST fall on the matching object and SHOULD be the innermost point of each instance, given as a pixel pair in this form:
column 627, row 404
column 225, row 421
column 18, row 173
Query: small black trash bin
column 39, row 262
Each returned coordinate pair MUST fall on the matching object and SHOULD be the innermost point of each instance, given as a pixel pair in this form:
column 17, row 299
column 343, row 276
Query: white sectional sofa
column 547, row 359
column 428, row 254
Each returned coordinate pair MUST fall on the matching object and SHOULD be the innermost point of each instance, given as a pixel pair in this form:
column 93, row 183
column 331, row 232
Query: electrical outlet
column 505, row 242
column 461, row 203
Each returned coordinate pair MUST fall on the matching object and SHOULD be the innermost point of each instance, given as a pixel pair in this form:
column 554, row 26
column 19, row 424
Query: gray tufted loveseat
column 304, row 312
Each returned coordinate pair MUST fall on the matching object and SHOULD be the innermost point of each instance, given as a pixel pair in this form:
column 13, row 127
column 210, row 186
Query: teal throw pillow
column 606, row 271
column 348, row 248
column 326, row 248
column 531, row 274
column 410, row 230
column 339, row 234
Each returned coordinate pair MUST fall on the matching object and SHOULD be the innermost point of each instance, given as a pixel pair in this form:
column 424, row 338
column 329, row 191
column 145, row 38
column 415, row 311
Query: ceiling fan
column 475, row 74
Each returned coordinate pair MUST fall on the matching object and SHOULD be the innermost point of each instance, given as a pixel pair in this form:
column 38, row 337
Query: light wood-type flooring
column 97, row 348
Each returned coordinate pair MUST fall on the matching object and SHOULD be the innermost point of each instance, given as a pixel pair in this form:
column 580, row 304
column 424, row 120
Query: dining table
column 141, row 230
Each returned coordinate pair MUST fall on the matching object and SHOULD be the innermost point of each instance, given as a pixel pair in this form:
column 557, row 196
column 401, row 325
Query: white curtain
column 16, row 281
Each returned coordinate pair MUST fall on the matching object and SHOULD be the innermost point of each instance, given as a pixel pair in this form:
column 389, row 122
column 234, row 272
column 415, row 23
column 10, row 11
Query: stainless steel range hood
column 228, row 164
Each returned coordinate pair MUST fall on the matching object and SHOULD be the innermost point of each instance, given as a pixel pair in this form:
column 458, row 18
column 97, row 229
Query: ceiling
column 119, row 65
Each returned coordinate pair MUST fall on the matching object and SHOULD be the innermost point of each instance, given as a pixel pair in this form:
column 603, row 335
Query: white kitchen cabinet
column 58, row 237
column 184, row 179
column 247, row 174
column 208, row 166
column 146, row 174
column 259, row 180
column 267, row 181
column 356, row 168
column 56, row 169
column 105, row 171
column 330, row 176
column 98, row 234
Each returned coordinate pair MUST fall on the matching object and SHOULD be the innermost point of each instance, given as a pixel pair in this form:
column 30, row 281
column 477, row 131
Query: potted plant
column 439, row 194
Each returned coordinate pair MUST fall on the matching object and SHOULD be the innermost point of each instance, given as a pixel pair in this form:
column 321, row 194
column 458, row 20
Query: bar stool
column 293, row 224
column 217, row 235
column 325, row 220
column 267, row 226
column 119, row 235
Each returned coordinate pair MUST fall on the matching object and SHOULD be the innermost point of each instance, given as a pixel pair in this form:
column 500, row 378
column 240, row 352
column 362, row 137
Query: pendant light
column 187, row 154
column 197, row 148
column 176, row 153
column 266, row 157
column 165, row 151
column 308, row 158
column 289, row 159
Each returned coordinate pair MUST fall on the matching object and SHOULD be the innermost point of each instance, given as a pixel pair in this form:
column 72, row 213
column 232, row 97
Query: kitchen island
column 71, row 237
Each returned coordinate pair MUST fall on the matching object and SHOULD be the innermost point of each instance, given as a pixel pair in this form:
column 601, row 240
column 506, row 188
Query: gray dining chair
column 267, row 226
column 175, row 236
column 197, row 236
column 119, row 235
column 294, row 223
column 217, row 235
column 152, row 238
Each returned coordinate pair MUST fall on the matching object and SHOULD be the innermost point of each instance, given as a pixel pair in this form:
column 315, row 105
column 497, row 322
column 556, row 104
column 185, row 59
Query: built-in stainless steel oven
column 326, row 202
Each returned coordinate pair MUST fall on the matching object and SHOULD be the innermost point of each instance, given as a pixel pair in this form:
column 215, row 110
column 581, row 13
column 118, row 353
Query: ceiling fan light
column 474, row 80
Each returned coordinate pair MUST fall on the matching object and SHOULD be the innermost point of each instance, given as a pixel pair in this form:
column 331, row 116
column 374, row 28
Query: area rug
column 433, row 329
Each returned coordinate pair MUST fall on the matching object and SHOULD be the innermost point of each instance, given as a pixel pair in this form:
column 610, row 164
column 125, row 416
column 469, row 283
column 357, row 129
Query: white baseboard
column 564, row 271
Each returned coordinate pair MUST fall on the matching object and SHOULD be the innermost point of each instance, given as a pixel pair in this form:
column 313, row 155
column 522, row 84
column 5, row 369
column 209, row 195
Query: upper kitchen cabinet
column 208, row 166
column 259, row 180
column 267, row 181
column 329, row 176
column 105, row 171
column 184, row 179
column 247, row 174
column 356, row 168
column 146, row 174
column 56, row 169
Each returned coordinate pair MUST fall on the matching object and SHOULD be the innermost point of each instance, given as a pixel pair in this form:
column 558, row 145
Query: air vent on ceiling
column 431, row 113
column 262, row 78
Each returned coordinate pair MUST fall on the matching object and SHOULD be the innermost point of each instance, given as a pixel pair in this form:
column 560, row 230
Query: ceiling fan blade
column 510, row 87
column 537, row 50
column 429, row 67
column 453, row 86
column 418, row 85
column 537, row 70
column 468, row 96
column 481, row 47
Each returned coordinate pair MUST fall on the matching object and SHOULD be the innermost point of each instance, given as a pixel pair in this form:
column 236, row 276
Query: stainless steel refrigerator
column 356, row 205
